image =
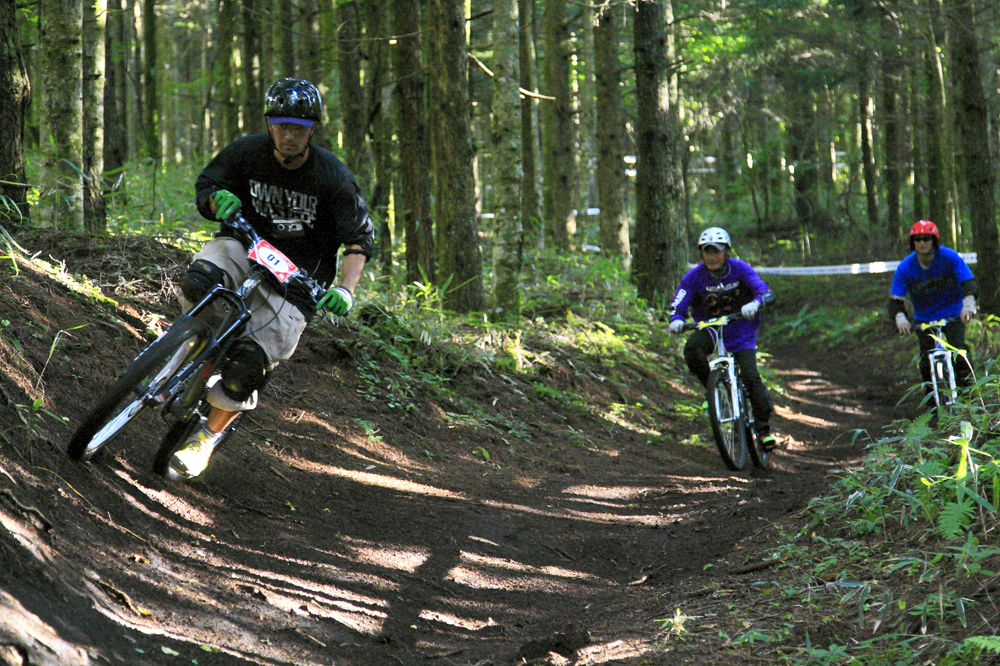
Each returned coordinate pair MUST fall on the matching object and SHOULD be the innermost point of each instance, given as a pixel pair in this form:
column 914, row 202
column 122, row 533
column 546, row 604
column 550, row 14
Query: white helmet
column 714, row 236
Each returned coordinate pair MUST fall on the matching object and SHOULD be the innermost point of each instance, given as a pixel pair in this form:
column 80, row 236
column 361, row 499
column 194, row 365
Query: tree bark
column 225, row 107
column 660, row 234
column 460, row 267
column 558, row 187
column 891, row 69
column 530, row 213
column 93, row 30
column 253, row 102
column 868, row 170
column 507, row 165
column 115, row 120
column 60, row 25
column 972, row 115
column 285, row 39
column 352, row 100
column 15, row 93
column 150, row 65
column 413, row 203
column 614, row 231
column 375, row 17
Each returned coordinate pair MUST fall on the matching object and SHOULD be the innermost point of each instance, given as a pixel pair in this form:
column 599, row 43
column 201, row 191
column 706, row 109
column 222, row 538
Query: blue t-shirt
column 709, row 297
column 936, row 292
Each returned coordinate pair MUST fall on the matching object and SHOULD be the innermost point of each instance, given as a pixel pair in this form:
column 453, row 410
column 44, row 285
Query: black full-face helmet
column 291, row 100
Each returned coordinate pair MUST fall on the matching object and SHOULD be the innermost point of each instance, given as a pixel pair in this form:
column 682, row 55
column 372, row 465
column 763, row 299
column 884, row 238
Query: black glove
column 303, row 294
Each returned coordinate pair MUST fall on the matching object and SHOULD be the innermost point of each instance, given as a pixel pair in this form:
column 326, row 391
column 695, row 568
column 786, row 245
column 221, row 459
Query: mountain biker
column 305, row 202
column 719, row 286
column 940, row 286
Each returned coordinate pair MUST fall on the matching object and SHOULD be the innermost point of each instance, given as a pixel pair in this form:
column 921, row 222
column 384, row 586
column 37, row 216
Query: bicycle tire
column 760, row 458
column 942, row 377
column 729, row 432
column 156, row 364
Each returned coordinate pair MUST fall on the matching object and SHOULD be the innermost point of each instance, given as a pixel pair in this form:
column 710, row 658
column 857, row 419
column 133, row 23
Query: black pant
column 700, row 344
column 954, row 333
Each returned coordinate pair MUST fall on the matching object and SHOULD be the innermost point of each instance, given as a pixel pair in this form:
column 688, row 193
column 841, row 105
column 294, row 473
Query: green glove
column 337, row 300
column 226, row 203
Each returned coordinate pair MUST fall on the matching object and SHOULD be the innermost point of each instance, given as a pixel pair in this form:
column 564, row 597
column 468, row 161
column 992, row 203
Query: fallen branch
column 758, row 566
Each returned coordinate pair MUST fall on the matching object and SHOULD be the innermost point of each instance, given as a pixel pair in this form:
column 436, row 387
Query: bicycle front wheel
column 727, row 426
column 137, row 385
column 943, row 380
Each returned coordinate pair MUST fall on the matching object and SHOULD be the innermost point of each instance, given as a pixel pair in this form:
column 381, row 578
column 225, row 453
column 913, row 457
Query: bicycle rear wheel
column 728, row 428
column 140, row 381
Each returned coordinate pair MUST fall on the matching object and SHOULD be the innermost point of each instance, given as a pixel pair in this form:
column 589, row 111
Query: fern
column 955, row 518
column 991, row 643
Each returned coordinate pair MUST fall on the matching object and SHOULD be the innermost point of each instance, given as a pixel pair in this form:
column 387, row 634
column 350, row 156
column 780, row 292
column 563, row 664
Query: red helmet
column 925, row 228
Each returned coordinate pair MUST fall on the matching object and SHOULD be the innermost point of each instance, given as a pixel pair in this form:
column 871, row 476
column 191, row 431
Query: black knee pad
column 199, row 279
column 245, row 370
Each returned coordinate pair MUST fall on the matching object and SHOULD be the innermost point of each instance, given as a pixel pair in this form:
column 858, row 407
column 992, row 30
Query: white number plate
column 272, row 258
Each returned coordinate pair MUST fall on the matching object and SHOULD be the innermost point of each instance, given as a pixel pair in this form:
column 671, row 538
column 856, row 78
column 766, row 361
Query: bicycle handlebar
column 244, row 232
column 940, row 323
column 717, row 321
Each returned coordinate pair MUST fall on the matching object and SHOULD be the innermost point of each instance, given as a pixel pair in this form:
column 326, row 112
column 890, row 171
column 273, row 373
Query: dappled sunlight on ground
column 371, row 479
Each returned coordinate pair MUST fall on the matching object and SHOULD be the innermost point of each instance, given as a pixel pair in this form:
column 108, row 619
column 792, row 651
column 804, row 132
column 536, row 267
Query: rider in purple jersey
column 722, row 286
column 940, row 286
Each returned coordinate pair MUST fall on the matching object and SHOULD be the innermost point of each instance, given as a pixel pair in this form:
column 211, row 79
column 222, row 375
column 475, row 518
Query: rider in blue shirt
column 722, row 286
column 940, row 286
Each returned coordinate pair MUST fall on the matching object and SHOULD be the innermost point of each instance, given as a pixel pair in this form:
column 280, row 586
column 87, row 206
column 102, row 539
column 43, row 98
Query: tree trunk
column 802, row 151
column 115, row 121
column 558, row 188
column 352, row 100
column 614, row 238
column 94, row 210
column 972, row 115
column 660, row 234
column 266, row 25
column 152, row 107
column 413, row 203
column 225, row 107
column 60, row 25
column 285, row 39
column 375, row 18
column 891, row 68
column 586, row 103
column 530, row 213
column 253, row 102
column 868, row 171
column 15, row 93
column 460, row 267
column 507, row 164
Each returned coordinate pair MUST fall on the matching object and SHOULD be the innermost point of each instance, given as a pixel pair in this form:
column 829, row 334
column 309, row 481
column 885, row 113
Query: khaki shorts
column 275, row 324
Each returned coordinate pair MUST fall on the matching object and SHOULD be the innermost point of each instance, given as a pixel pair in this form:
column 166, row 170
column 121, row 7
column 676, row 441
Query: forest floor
column 557, row 517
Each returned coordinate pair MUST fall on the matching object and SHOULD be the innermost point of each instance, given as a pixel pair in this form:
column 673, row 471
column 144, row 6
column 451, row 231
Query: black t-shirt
column 307, row 213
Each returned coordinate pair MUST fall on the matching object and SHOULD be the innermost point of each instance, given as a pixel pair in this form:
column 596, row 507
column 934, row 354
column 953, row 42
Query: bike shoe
column 768, row 443
column 191, row 459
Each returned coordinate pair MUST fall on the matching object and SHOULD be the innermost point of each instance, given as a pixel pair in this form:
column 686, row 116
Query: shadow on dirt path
column 335, row 529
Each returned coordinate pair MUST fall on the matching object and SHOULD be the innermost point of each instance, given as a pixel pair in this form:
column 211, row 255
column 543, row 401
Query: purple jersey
column 707, row 297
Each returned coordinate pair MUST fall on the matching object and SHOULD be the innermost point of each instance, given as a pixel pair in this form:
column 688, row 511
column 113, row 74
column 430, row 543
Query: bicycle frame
column 724, row 360
column 941, row 354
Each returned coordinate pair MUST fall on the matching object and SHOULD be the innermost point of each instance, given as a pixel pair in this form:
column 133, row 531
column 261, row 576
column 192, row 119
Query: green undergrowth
column 898, row 565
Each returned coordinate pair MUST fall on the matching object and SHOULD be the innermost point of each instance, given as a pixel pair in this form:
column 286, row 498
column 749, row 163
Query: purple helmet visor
column 297, row 121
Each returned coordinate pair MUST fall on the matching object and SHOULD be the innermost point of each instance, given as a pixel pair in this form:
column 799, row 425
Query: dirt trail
column 334, row 529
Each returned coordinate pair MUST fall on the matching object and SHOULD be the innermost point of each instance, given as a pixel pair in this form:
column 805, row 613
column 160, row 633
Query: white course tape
column 848, row 269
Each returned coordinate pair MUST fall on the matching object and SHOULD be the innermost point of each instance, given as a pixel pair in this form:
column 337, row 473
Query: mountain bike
column 944, row 390
column 173, row 374
column 732, row 421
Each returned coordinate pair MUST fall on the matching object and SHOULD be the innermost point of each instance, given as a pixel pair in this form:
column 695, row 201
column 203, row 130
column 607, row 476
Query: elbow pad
column 896, row 305
column 768, row 298
column 970, row 288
